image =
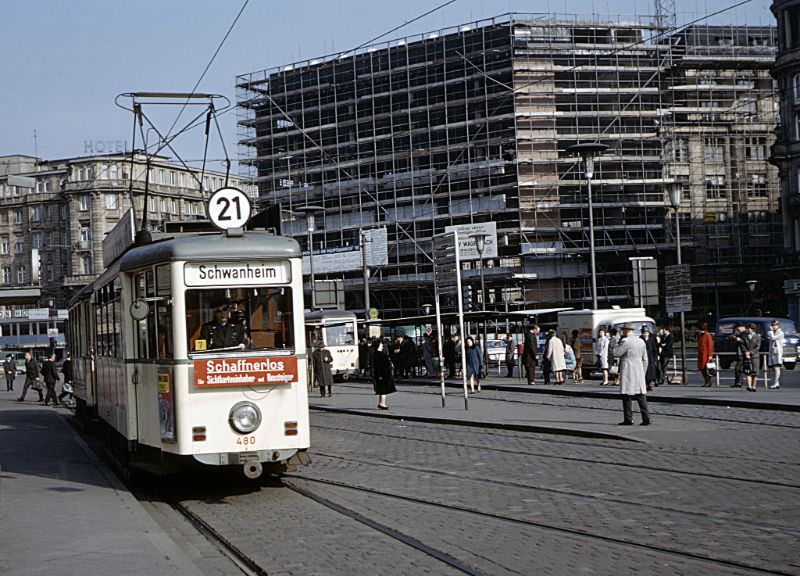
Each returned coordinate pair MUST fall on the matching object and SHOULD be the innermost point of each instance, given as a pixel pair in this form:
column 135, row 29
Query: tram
column 192, row 348
column 337, row 330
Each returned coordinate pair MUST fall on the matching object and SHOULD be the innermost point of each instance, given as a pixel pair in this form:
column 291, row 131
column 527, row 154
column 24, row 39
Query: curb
column 746, row 404
column 484, row 424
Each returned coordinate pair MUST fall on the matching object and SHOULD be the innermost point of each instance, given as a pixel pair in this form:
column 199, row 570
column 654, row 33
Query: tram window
column 340, row 335
column 253, row 318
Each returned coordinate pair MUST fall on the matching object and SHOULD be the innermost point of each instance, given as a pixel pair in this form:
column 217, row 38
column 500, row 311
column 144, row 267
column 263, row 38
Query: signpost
column 677, row 280
column 447, row 280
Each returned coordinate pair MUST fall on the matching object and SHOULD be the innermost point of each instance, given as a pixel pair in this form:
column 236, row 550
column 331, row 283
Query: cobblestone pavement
column 720, row 497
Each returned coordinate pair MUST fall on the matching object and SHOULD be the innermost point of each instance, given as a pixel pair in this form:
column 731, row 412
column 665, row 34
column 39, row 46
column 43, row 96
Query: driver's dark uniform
column 222, row 334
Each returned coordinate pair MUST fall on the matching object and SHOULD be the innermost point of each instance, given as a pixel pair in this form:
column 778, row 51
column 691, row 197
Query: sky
column 63, row 63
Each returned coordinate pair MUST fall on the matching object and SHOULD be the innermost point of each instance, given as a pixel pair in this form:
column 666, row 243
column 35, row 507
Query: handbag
column 613, row 369
column 747, row 367
column 37, row 384
column 711, row 368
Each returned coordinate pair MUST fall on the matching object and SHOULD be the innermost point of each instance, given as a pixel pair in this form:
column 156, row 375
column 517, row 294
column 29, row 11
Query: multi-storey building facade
column 473, row 125
column 54, row 215
column 786, row 152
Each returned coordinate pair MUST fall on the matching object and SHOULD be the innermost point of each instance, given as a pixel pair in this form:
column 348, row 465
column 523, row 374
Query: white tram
column 193, row 347
column 338, row 330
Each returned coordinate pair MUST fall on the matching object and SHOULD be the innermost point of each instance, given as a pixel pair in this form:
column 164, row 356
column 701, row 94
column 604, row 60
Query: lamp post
column 675, row 198
column 480, row 246
column 587, row 152
column 310, row 214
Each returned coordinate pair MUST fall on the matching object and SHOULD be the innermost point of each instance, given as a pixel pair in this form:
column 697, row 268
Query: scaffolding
column 471, row 125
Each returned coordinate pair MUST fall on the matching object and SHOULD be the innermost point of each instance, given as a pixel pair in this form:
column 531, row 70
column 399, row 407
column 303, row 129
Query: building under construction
column 471, row 125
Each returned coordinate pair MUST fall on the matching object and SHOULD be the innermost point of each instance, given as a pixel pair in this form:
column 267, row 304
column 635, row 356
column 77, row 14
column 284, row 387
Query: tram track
column 626, row 451
column 420, row 389
column 706, row 559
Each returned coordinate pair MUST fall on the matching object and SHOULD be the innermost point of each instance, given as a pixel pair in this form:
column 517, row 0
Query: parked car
column 726, row 348
column 496, row 351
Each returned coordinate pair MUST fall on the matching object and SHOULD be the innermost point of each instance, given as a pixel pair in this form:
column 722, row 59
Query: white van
column 588, row 322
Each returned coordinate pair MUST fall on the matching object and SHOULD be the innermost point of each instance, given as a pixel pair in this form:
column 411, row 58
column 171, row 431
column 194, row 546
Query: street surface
column 704, row 490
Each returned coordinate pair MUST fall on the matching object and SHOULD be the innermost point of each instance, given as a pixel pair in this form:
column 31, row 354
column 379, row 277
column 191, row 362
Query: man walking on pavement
column 31, row 378
column 632, row 355
column 50, row 375
column 10, row 370
column 530, row 353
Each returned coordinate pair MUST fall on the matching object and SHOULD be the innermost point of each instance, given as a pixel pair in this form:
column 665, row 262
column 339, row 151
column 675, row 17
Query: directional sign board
column 678, row 283
column 229, row 208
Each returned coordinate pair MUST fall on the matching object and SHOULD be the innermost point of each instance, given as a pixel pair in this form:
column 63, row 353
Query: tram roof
column 213, row 246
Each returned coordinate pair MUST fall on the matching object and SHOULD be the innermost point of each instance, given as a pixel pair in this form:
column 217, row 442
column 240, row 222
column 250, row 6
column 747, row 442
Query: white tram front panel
column 186, row 407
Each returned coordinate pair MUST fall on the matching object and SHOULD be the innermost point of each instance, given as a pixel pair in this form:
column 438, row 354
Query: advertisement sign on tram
column 255, row 371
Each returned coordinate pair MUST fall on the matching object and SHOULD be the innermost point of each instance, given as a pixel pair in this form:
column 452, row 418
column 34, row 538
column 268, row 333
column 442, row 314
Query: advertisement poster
column 258, row 371
column 166, row 405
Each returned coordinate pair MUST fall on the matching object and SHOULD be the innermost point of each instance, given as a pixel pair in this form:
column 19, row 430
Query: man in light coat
column 632, row 355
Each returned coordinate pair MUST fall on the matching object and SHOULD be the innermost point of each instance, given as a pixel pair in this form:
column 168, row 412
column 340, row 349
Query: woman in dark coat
column 474, row 364
column 382, row 380
column 651, row 346
column 323, row 376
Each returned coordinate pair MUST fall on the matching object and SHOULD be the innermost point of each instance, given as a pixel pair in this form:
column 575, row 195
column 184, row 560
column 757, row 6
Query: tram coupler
column 253, row 469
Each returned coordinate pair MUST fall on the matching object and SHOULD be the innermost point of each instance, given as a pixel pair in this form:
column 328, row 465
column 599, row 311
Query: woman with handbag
column 705, row 352
column 382, row 379
column 752, row 347
column 474, row 364
column 601, row 351
column 775, row 357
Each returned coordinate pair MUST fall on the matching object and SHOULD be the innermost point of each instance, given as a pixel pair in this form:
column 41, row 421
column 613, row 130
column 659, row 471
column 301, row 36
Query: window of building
column 112, row 201
column 42, row 186
column 36, row 240
column 162, row 176
column 86, row 264
column 181, row 181
column 173, row 178
column 677, row 150
column 83, row 202
column 85, row 237
column 36, row 213
column 113, row 172
column 713, row 150
column 19, row 246
column 46, row 239
column 21, row 274
column 757, row 186
column 6, row 275
column 4, row 245
column 48, row 213
column 715, row 187
column 82, row 173
column 18, row 216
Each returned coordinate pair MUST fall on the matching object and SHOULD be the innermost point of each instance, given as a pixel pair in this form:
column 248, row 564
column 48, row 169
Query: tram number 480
column 245, row 440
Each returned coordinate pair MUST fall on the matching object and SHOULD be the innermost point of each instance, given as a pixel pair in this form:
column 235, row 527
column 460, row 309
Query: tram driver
column 227, row 329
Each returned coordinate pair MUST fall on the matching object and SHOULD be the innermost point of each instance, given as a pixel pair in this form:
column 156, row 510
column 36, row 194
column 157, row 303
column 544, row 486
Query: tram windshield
column 232, row 319
column 340, row 334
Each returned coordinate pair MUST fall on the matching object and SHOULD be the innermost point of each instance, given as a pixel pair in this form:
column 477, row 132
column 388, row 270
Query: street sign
column 678, row 284
column 229, row 208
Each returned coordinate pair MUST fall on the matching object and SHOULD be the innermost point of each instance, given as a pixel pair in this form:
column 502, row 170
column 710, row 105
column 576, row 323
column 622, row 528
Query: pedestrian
column 738, row 339
column 511, row 358
column 555, row 356
column 601, row 352
column 571, row 363
column 577, row 348
column 396, row 356
column 705, row 352
column 31, row 378
column 66, row 387
column 632, row 355
column 427, row 355
column 546, row 359
column 449, row 351
column 363, row 355
column 666, row 352
column 10, row 370
column 530, row 353
column 752, row 347
column 408, row 351
column 474, row 360
column 323, row 377
column 776, row 340
column 50, row 375
column 382, row 380
column 652, row 357
column 613, row 363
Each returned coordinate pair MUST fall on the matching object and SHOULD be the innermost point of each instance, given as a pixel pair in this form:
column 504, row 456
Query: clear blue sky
column 63, row 62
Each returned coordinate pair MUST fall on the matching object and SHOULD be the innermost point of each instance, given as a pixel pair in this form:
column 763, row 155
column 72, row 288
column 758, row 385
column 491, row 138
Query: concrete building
column 54, row 215
column 471, row 126
column 786, row 152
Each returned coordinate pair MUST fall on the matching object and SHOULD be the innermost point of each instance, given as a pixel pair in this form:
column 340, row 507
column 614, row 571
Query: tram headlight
column 245, row 417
